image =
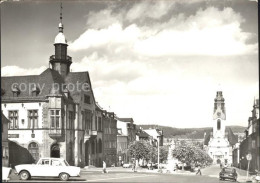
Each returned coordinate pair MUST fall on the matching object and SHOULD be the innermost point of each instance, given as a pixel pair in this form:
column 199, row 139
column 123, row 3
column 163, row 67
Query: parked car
column 48, row 167
column 6, row 171
column 127, row 165
column 228, row 173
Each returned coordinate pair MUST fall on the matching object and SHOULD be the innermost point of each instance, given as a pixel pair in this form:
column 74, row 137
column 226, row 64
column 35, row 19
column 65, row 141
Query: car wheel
column 24, row 175
column 64, row 176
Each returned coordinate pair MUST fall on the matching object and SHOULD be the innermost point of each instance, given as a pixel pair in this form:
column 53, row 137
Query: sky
column 158, row 62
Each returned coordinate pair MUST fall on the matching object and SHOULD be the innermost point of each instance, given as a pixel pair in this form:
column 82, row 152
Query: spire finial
column 60, row 12
column 60, row 24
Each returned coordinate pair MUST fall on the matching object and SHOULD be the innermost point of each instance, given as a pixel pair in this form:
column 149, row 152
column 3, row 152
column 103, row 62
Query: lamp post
column 158, row 144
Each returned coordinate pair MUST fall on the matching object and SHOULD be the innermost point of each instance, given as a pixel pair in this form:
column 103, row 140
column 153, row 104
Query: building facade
column 219, row 142
column 5, row 144
column 54, row 114
column 110, row 138
column 251, row 143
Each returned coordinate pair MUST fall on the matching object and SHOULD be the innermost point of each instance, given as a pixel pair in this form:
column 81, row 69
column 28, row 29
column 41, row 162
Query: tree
column 189, row 154
column 139, row 150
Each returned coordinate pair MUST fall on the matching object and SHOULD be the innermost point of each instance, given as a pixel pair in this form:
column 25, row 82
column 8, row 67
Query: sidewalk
column 242, row 175
column 138, row 170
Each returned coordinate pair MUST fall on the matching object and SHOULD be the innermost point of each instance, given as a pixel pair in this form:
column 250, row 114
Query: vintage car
column 228, row 173
column 48, row 167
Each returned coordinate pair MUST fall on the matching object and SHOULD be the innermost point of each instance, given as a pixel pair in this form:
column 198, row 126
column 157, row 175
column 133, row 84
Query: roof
column 233, row 139
column 4, row 119
column 207, row 137
column 60, row 39
column 45, row 83
column 143, row 134
column 26, row 84
column 126, row 119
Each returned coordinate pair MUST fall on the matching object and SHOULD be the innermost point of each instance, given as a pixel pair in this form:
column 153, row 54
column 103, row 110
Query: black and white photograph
column 130, row 91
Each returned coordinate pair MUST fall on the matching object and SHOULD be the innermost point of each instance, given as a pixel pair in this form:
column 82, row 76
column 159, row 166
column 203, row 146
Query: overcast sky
column 159, row 62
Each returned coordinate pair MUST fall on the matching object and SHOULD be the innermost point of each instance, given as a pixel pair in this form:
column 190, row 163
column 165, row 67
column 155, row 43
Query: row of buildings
column 249, row 144
column 55, row 114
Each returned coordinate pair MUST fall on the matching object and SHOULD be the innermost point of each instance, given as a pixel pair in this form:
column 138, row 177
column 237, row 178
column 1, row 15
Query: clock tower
column 219, row 116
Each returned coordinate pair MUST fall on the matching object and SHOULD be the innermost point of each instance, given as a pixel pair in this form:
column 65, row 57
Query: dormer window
column 16, row 91
column 35, row 91
column 87, row 99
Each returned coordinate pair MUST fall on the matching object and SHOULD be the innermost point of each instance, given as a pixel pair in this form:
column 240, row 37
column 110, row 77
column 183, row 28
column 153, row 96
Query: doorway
column 55, row 151
column 86, row 153
column 218, row 161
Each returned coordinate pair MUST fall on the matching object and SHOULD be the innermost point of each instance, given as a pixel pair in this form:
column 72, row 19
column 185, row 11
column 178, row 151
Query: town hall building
column 219, row 142
column 54, row 114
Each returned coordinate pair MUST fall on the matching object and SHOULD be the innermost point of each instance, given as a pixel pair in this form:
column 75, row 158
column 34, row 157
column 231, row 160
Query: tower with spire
column 61, row 61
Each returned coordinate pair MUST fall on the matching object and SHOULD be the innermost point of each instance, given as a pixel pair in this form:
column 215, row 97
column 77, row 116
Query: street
column 209, row 175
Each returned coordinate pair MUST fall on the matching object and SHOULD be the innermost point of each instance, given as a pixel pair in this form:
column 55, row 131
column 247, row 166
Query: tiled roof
column 80, row 77
column 44, row 82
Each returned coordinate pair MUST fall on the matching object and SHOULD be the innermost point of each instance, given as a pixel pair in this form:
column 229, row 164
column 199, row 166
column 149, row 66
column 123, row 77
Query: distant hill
column 194, row 133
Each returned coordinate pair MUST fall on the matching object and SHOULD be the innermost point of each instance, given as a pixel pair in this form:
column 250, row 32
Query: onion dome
column 60, row 38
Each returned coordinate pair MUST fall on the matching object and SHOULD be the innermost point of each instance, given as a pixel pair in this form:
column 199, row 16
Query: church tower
column 219, row 116
column 61, row 61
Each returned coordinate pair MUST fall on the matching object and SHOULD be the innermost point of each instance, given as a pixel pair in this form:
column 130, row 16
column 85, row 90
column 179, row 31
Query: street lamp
column 158, row 137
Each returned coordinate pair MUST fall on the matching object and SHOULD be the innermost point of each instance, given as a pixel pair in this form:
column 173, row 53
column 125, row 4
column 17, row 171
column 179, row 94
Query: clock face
column 218, row 114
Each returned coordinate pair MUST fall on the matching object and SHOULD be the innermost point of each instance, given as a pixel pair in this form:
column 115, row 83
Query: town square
column 130, row 91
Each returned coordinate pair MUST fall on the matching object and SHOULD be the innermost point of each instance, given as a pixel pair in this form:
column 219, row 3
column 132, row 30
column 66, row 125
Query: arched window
column 33, row 148
column 218, row 124
column 100, row 145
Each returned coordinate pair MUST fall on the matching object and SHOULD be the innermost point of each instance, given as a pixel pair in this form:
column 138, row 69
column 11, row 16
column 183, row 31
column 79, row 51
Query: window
column 55, row 163
column 99, row 124
column 13, row 117
column 88, row 120
column 32, row 119
column 44, row 162
column 100, row 145
column 86, row 99
column 71, row 124
column 55, row 118
column 218, row 125
column 33, row 148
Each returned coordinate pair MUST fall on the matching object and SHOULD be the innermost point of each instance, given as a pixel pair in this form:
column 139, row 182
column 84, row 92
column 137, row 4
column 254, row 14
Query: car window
column 64, row 163
column 55, row 163
column 44, row 162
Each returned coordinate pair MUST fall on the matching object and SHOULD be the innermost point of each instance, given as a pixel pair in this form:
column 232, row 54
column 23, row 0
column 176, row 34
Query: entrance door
column 218, row 161
column 86, row 153
column 55, row 151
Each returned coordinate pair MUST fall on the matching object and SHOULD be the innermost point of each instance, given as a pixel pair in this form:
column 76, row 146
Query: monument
column 171, row 161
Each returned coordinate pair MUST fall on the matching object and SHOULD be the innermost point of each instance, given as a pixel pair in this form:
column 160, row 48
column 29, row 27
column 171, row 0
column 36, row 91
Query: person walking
column 199, row 171
column 133, row 166
column 104, row 167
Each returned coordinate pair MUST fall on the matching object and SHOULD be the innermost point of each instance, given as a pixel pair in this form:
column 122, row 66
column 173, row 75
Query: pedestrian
column 148, row 165
column 133, row 166
column 220, row 165
column 199, row 171
column 104, row 167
